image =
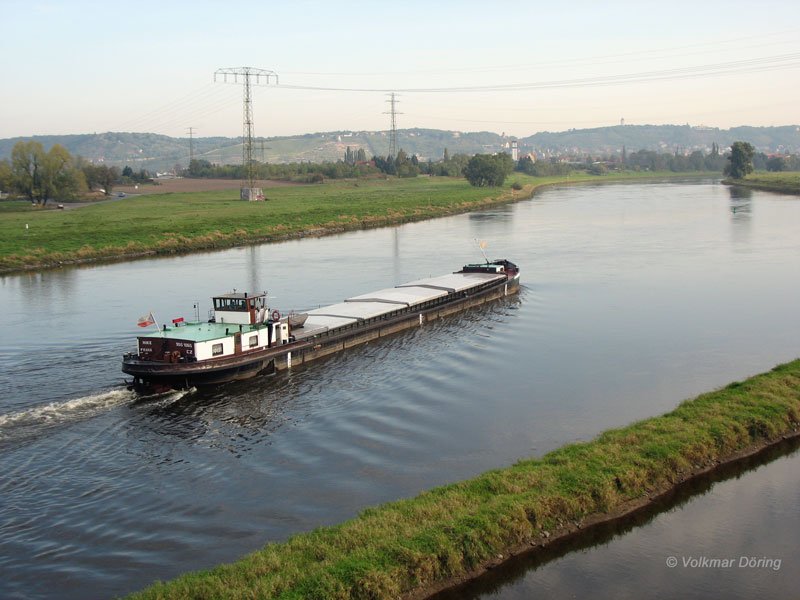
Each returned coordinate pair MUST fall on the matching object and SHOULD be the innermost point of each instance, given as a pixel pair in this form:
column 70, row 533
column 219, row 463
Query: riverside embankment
column 413, row 548
column 783, row 183
column 164, row 224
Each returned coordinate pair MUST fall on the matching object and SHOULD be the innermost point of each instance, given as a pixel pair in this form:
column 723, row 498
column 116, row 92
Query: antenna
column 393, row 101
column 248, row 76
column 481, row 245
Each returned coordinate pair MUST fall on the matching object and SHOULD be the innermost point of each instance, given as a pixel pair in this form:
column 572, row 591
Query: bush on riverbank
column 394, row 549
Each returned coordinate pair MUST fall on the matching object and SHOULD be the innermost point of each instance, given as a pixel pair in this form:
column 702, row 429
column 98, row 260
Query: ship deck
column 200, row 332
column 352, row 311
column 390, row 300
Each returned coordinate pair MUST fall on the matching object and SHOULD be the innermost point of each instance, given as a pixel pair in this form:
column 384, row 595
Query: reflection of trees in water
column 491, row 222
column 741, row 200
column 46, row 288
column 740, row 193
column 741, row 208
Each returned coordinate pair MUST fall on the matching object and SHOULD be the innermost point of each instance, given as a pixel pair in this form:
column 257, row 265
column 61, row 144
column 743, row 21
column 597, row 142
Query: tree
column 714, row 161
column 40, row 176
column 740, row 160
column 6, row 177
column 59, row 175
column 107, row 177
column 26, row 164
column 486, row 170
column 597, row 168
column 776, row 163
column 506, row 163
column 697, row 161
column 199, row 167
column 405, row 166
column 385, row 165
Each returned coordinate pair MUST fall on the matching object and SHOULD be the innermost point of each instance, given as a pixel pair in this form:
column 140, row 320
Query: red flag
column 145, row 321
column 178, row 320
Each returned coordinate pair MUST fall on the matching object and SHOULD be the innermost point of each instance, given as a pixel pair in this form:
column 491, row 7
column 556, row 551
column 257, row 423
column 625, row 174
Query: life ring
column 276, row 315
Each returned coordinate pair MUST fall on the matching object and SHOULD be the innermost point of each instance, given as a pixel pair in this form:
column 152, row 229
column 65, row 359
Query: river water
column 634, row 297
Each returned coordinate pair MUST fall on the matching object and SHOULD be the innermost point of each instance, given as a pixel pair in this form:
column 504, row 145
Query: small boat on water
column 244, row 337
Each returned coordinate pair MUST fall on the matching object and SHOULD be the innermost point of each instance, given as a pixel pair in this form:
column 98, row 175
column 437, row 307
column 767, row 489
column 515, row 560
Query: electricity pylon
column 248, row 77
column 393, row 131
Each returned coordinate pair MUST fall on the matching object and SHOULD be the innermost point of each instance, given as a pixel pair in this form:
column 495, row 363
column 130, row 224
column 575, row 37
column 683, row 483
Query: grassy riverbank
column 172, row 223
column 785, row 183
column 411, row 547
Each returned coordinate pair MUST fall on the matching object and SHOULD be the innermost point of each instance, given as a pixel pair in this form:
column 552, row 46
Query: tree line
column 39, row 176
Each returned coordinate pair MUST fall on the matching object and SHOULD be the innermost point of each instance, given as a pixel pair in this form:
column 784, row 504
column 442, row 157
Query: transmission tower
column 248, row 77
column 191, row 145
column 393, row 101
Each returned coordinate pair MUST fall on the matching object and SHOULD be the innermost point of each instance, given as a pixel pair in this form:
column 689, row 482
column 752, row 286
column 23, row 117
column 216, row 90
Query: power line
column 187, row 108
column 644, row 54
column 780, row 61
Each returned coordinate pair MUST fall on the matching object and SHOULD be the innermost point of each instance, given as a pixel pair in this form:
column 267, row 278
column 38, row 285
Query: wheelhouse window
column 253, row 341
column 231, row 304
column 216, row 349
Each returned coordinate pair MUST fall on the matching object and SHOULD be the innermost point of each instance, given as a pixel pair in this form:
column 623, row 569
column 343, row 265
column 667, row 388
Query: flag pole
column 158, row 328
column 481, row 245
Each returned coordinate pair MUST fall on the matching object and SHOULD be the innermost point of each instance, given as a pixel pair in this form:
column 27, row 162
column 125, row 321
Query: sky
column 71, row 67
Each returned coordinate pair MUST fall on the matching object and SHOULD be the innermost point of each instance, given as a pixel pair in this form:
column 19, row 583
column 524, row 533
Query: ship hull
column 161, row 375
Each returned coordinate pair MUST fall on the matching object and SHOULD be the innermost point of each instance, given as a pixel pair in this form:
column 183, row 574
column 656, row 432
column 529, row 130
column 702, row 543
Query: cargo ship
column 244, row 337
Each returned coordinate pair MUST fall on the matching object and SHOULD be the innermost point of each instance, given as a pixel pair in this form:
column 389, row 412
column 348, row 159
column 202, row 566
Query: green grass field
column 166, row 223
column 391, row 550
column 785, row 182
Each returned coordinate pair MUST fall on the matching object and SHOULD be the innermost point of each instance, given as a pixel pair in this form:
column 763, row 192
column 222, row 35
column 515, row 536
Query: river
column 634, row 297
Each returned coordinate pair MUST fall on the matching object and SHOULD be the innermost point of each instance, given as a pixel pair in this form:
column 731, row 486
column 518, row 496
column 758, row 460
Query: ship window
column 216, row 349
column 230, row 304
column 253, row 341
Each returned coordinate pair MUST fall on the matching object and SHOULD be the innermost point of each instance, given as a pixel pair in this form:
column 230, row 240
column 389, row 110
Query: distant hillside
column 315, row 147
column 159, row 152
column 663, row 138
column 139, row 150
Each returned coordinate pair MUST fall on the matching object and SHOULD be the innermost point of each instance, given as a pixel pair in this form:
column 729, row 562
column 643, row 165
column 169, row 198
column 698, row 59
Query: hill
column 159, row 152
column 662, row 138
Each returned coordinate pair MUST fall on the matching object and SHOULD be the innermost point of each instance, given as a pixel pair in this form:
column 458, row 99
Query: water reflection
column 740, row 193
column 502, row 215
column 741, row 201
column 46, row 289
column 741, row 207
column 506, row 577
column 254, row 255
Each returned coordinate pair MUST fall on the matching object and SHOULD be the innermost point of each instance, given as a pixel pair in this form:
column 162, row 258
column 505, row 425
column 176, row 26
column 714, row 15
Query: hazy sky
column 518, row 67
